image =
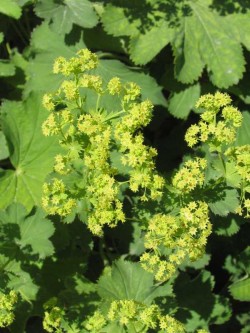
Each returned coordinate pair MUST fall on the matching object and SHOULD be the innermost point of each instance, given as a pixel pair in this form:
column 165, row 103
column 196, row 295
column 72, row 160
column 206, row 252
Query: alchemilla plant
column 124, row 166
column 85, row 175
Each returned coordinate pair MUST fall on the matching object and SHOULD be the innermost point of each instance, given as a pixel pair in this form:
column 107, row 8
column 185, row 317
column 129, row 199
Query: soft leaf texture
column 6, row 68
column 150, row 88
column 226, row 204
column 63, row 16
column 10, row 8
column 34, row 229
column 31, row 153
column 116, row 22
column 4, row 151
column 144, row 47
column 21, row 281
column 47, row 45
column 200, row 38
column 243, row 134
column 222, row 54
column 181, row 103
column 241, row 290
column 188, row 60
column 127, row 281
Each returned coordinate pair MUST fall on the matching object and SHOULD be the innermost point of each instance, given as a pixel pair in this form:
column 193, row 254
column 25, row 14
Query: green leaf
column 1, row 37
column 62, row 17
column 243, row 133
column 221, row 53
column 188, row 60
column 150, row 89
column 116, row 22
column 10, row 8
column 4, row 151
column 226, row 203
column 34, row 229
column 200, row 306
column 21, row 281
column 31, row 153
column 6, row 68
column 82, row 12
column 144, row 47
column 241, row 290
column 47, row 45
column 239, row 25
column 181, row 103
column 127, row 281
column 227, row 226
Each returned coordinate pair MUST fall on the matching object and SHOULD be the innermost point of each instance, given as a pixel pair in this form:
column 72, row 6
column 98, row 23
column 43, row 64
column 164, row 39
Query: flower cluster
column 53, row 319
column 88, row 135
column 190, row 175
column 7, row 303
column 135, row 153
column 240, row 157
column 129, row 313
column 56, row 198
column 184, row 236
column 215, row 132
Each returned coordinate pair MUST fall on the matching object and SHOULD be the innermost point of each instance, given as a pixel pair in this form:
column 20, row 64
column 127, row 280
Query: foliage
column 124, row 172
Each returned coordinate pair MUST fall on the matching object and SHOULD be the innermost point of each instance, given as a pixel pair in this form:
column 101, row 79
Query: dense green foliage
column 124, row 170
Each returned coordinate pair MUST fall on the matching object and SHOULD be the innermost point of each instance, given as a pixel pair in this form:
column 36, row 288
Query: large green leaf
column 241, row 290
column 116, row 22
column 10, row 8
column 221, row 53
column 31, row 153
column 63, row 16
column 129, row 281
column 181, row 103
column 150, row 89
column 243, row 134
column 6, row 68
column 199, row 306
column 226, row 202
column 34, row 229
column 188, row 60
column 199, row 36
column 47, row 45
column 4, row 151
column 144, row 47
column 21, row 281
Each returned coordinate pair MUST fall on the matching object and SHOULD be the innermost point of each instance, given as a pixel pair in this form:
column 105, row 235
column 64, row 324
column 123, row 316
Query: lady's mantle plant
column 88, row 181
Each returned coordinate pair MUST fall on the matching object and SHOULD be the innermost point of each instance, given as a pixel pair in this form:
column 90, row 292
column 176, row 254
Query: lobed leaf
column 31, row 153
column 10, row 8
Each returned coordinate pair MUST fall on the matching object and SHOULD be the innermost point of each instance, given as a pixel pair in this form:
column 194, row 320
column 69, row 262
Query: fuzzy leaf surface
column 31, row 153
column 10, row 8
column 129, row 281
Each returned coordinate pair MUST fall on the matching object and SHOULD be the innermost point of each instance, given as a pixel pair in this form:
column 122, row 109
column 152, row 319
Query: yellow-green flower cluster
column 85, row 60
column 88, row 136
column 183, row 236
column 170, row 325
column 106, row 208
column 190, row 175
column 135, row 153
column 129, row 313
column 56, row 198
column 95, row 323
column 53, row 319
column 215, row 132
column 7, row 303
